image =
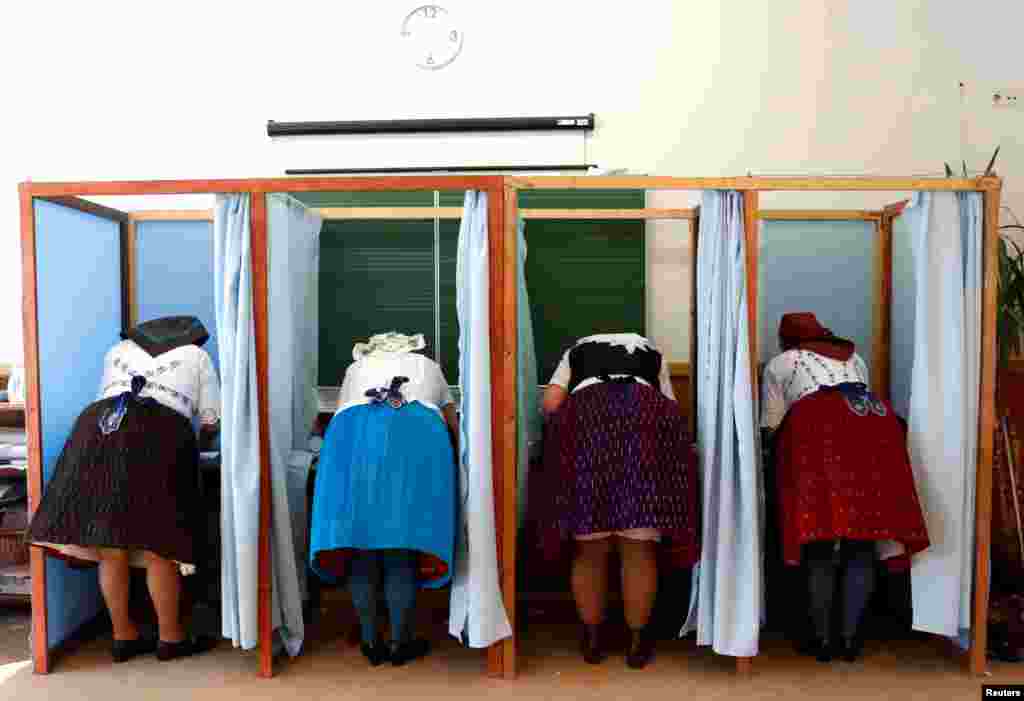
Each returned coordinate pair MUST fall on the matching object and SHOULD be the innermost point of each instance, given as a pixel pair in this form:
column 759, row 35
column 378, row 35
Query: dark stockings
column 824, row 560
column 397, row 570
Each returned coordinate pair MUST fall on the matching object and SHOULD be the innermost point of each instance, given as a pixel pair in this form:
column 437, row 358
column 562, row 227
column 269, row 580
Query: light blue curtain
column 943, row 416
column 530, row 423
column 727, row 599
column 240, row 433
column 294, row 235
column 478, row 616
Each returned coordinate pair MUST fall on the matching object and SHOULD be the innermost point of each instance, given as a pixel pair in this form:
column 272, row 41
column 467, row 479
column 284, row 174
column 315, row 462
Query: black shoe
column 818, row 648
column 408, row 651
column 377, row 654
column 165, row 652
column 850, row 649
column 641, row 652
column 590, row 645
column 825, row 651
column 124, row 650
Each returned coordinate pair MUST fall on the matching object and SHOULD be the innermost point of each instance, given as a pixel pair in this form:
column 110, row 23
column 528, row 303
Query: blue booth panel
column 174, row 273
column 78, row 269
column 825, row 267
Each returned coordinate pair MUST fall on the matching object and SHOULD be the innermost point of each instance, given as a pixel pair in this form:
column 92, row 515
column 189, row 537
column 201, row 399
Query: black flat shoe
column 850, row 649
column 165, row 652
column 590, row 645
column 124, row 650
column 409, row 651
column 377, row 654
column 817, row 648
column 641, row 652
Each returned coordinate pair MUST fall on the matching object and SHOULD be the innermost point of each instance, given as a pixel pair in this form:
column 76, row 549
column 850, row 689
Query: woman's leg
column 399, row 571
column 821, row 581
column 115, row 585
column 639, row 580
column 363, row 583
column 590, row 590
column 164, row 582
column 639, row 588
column 400, row 585
column 858, row 585
column 590, row 579
column 163, row 578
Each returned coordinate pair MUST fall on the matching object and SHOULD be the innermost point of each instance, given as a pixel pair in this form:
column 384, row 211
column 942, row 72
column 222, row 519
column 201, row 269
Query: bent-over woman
column 621, row 475
column 126, row 488
column 385, row 494
column 843, row 476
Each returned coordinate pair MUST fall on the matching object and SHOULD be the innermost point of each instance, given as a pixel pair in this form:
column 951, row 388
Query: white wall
column 98, row 91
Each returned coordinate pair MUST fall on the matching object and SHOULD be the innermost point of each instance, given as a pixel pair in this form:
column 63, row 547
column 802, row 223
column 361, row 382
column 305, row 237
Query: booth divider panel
column 78, row 302
column 173, row 273
column 825, row 267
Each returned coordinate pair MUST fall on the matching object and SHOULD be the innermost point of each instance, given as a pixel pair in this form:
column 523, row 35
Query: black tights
column 857, row 559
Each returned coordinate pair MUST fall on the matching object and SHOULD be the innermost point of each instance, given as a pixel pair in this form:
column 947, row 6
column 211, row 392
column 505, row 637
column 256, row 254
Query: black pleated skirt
column 137, row 488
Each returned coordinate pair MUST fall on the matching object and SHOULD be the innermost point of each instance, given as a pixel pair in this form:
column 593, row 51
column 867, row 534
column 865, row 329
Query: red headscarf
column 802, row 330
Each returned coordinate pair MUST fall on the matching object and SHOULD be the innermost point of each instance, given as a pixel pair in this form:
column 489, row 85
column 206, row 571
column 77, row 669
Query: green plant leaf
column 1010, row 303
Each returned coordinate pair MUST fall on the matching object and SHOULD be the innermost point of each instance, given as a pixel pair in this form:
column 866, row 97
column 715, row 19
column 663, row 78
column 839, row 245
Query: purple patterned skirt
column 618, row 456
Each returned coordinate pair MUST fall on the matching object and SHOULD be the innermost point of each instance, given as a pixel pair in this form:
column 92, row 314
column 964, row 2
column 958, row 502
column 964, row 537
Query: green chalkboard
column 583, row 276
column 375, row 276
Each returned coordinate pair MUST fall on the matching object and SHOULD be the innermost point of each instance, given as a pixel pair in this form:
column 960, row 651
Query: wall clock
column 432, row 37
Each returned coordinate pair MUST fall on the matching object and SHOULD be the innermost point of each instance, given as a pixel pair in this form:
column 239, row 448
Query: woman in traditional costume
column 620, row 474
column 125, row 490
column 385, row 493
column 843, row 476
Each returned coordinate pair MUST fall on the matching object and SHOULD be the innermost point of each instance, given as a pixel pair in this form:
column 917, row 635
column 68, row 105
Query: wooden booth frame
column 502, row 216
column 502, row 325
column 751, row 186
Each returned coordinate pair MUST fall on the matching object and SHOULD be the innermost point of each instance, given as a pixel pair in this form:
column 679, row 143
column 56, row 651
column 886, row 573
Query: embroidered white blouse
column 182, row 379
column 631, row 341
column 792, row 375
column 427, row 384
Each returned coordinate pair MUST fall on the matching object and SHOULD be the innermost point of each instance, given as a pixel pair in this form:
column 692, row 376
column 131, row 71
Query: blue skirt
column 385, row 480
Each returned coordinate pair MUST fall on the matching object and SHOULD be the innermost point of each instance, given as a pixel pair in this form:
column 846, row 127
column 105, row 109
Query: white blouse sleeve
column 563, row 373
column 665, row 380
column 861, row 368
column 208, row 402
column 442, row 392
column 347, row 387
column 773, row 400
column 108, row 373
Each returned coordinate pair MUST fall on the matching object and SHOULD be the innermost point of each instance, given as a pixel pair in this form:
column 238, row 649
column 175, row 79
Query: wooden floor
column 332, row 668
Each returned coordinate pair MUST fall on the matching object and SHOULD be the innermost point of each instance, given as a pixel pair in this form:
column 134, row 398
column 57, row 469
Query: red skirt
column 842, row 475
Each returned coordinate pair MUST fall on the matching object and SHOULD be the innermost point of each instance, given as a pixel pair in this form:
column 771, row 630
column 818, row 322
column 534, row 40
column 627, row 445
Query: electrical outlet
column 1004, row 100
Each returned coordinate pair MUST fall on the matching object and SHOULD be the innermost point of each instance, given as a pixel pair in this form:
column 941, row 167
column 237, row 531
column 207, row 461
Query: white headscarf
column 630, row 341
column 390, row 342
